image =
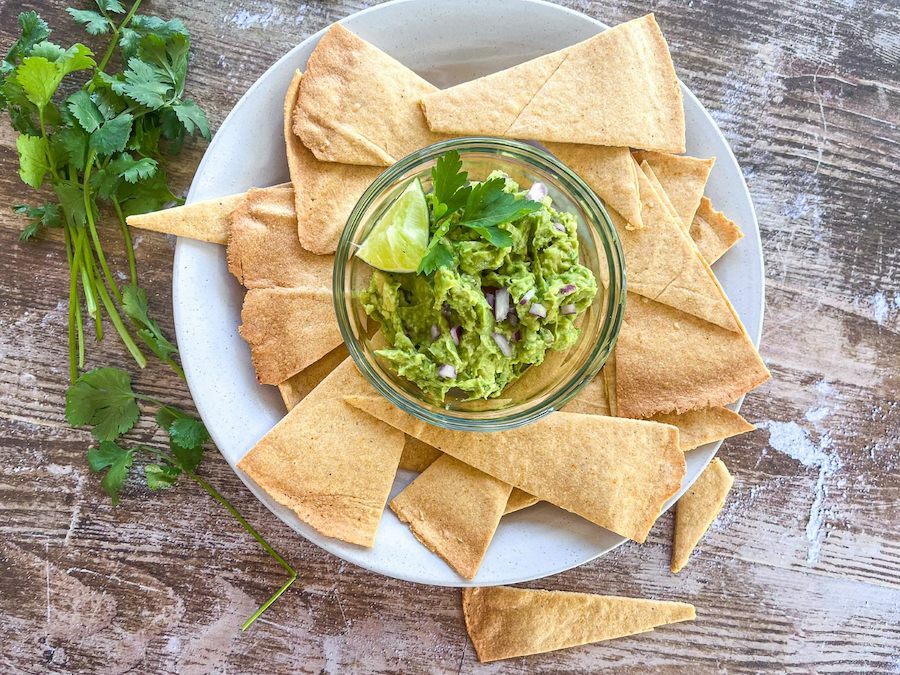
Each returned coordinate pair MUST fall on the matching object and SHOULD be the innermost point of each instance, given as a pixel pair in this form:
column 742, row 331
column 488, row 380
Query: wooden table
column 801, row 571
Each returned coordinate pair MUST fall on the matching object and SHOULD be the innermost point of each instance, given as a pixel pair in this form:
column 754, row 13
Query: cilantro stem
column 89, row 214
column 260, row 540
column 73, row 304
column 116, row 33
column 113, row 314
column 126, row 235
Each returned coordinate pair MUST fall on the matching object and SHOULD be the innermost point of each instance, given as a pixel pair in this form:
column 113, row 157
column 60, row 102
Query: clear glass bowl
column 541, row 389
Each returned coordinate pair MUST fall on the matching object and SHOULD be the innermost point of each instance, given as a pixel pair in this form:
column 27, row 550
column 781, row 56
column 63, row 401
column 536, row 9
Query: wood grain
column 802, row 571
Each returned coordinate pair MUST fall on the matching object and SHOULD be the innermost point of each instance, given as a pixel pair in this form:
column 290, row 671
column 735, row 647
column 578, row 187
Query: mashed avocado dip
column 477, row 314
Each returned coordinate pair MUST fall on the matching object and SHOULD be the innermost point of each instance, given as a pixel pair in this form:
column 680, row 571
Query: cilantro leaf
column 489, row 205
column 143, row 84
column 166, row 415
column 71, row 200
column 160, row 477
column 112, row 136
column 39, row 78
column 102, row 398
column 85, row 110
column 40, row 217
column 33, row 30
column 192, row 118
column 71, row 144
column 187, row 432
column 113, row 6
column 49, row 50
column 116, row 462
column 449, row 182
column 138, row 169
column 134, row 302
column 150, row 194
column 94, row 22
column 437, row 255
column 33, row 164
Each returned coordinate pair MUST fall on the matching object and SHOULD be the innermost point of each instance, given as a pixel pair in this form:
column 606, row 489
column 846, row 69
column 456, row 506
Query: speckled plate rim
column 540, row 541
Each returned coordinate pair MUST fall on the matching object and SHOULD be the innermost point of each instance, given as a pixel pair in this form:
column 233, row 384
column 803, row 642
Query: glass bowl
column 541, row 389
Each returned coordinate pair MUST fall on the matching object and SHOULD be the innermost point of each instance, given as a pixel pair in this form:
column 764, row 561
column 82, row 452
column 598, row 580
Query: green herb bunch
column 98, row 140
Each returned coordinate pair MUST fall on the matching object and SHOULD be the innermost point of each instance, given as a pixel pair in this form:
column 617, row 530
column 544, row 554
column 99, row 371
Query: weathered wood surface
column 801, row 574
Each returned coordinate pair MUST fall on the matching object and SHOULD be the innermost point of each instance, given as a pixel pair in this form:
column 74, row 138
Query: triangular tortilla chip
column 669, row 361
column 617, row 88
column 263, row 250
column 615, row 473
column 713, row 232
column 357, row 105
column 287, row 329
column 697, row 509
column 609, row 381
column 330, row 463
column 683, row 179
column 454, row 510
column 204, row 221
column 609, row 172
column 518, row 500
column 325, row 192
column 592, row 399
column 418, row 456
column 505, row 622
column 297, row 387
column 705, row 425
column 664, row 265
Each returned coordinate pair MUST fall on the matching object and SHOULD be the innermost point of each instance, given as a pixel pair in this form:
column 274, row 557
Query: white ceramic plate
column 447, row 43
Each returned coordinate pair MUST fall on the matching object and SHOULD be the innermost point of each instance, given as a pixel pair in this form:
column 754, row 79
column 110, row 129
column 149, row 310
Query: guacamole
column 474, row 324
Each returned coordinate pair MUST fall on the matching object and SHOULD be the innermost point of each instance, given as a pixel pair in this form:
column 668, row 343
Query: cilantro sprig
column 98, row 140
column 481, row 207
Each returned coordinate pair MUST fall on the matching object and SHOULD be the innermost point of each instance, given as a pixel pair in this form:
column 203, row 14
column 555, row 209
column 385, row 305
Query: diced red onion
column 537, row 309
column 536, row 192
column 568, row 309
column 517, row 336
column 513, row 318
column 529, row 294
column 455, row 334
column 501, row 304
column 559, row 227
column 435, row 331
column 503, row 343
column 490, row 299
column 446, row 372
column 568, row 289
column 445, row 310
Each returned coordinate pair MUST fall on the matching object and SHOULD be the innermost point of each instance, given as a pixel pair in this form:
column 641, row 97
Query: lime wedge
column 398, row 240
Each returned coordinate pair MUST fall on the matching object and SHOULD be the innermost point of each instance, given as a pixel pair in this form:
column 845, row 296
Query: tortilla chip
column 297, row 387
column 697, row 509
column 325, row 192
column 330, row 463
column 518, row 500
column 204, row 221
column 357, row 105
column 505, row 622
column 622, row 82
column 669, row 361
column 616, row 473
column 263, row 251
column 683, row 179
column 609, row 381
column 287, row 329
column 418, row 456
column 706, row 425
column 592, row 399
column 609, row 172
column 713, row 232
column 454, row 510
column 664, row 265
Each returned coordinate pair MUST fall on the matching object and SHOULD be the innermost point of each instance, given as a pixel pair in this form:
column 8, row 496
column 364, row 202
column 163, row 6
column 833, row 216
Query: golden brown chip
column 287, row 330
column 705, row 425
column 669, row 361
column 505, row 622
column 615, row 473
column 205, row 221
column 592, row 399
column 263, row 250
column 357, row 105
column 326, row 192
column 664, row 265
column 454, row 510
column 519, row 500
column 682, row 178
column 697, row 509
column 617, row 88
column 297, row 387
column 713, row 232
column 609, row 172
column 418, row 456
column 331, row 464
